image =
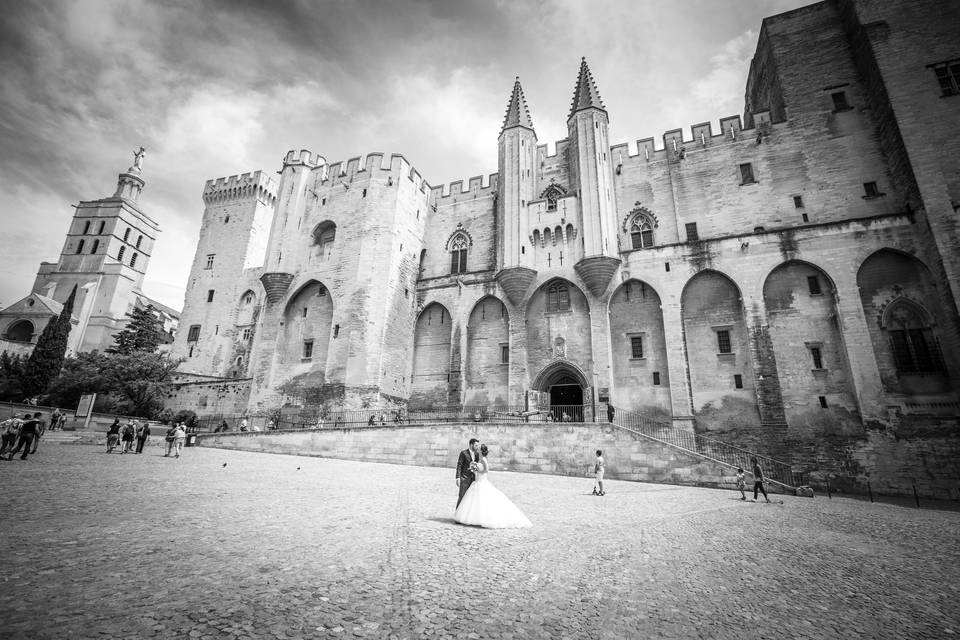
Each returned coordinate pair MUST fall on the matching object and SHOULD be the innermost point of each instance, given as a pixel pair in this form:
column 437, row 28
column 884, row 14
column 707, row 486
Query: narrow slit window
column 210, row 295
column 798, row 202
column 656, row 378
column 840, row 101
column 817, row 357
column 737, row 381
column 80, row 246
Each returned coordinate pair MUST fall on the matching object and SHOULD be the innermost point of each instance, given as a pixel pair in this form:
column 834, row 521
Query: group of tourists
column 133, row 431
column 124, row 436
column 21, row 434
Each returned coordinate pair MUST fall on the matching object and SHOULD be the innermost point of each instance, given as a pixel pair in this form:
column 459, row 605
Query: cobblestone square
column 226, row 544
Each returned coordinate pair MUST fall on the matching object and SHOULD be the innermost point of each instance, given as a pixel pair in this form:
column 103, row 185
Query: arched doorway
column 561, row 387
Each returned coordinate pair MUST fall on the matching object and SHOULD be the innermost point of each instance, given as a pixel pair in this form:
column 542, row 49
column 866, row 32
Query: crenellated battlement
column 675, row 145
column 303, row 157
column 477, row 186
column 255, row 184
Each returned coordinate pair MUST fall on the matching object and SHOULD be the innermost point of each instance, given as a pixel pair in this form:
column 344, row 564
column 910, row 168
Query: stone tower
column 518, row 178
column 223, row 296
column 591, row 175
column 105, row 254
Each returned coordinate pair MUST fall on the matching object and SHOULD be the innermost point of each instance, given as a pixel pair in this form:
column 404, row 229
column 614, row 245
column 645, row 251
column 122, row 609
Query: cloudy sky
column 217, row 88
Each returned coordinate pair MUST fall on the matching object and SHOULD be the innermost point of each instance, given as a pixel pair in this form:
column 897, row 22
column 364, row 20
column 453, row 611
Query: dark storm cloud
column 226, row 86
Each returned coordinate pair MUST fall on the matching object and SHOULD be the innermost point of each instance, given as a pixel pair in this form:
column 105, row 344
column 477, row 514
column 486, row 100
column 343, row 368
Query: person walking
column 169, row 438
column 758, row 480
column 28, row 431
column 129, row 433
column 113, row 435
column 41, row 429
column 56, row 420
column 741, row 483
column 142, row 434
column 179, row 439
column 10, row 430
column 610, row 413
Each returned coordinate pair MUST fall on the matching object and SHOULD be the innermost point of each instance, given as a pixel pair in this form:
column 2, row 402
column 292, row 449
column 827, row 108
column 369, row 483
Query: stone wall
column 555, row 448
column 210, row 397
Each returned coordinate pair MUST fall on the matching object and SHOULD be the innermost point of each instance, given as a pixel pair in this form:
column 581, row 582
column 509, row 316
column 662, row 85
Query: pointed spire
column 518, row 115
column 585, row 94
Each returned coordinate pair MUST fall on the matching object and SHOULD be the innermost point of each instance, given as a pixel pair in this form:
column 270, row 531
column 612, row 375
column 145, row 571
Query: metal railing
column 775, row 470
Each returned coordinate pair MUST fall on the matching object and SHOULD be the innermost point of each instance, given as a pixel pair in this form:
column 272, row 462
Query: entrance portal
column 564, row 384
column 566, row 400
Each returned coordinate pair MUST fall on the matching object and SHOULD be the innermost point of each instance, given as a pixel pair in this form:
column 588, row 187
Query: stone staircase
column 777, row 473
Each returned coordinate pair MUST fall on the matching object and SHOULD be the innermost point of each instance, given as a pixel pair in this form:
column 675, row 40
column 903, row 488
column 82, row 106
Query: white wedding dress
column 484, row 505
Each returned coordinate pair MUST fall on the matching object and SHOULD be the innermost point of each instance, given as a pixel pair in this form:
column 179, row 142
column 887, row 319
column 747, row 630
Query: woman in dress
column 484, row 505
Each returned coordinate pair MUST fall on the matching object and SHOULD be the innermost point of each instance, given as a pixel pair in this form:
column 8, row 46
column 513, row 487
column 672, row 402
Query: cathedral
column 793, row 272
column 103, row 262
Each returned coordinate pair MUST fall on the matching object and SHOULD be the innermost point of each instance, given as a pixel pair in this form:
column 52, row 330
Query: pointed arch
column 488, row 352
column 20, row 331
column 639, row 349
column 906, row 319
column 717, row 343
column 324, row 234
column 431, row 356
column 808, row 348
column 558, row 325
column 551, row 194
column 307, row 329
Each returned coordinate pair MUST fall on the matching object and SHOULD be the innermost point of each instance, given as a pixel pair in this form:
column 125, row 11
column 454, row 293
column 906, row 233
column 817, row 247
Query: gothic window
column 558, row 297
column 323, row 236
column 248, row 297
column 557, row 235
column 210, row 257
column 915, row 348
column 641, row 233
column 458, row 254
column 551, row 194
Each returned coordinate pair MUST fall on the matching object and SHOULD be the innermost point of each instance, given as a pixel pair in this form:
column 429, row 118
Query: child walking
column 598, row 475
column 741, row 483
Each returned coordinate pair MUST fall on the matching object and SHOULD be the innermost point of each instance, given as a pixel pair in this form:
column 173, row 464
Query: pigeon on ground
column 224, row 464
column 298, row 468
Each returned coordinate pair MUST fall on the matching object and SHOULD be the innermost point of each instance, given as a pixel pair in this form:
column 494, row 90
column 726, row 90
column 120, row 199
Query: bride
column 485, row 506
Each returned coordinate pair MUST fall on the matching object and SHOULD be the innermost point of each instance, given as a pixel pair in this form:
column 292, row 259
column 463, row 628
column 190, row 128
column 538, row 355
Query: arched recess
column 639, row 350
column 718, row 352
column 20, row 331
column 558, row 326
column 307, row 323
column 563, row 389
column 323, row 236
column 488, row 353
column 247, row 309
column 431, row 357
column 811, row 357
column 907, row 323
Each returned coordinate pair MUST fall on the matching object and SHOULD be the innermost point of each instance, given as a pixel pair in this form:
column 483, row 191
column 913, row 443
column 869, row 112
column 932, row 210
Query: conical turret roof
column 585, row 94
column 518, row 115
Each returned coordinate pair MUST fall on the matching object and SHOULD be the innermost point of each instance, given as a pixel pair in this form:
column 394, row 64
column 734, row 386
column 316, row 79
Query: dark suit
column 463, row 471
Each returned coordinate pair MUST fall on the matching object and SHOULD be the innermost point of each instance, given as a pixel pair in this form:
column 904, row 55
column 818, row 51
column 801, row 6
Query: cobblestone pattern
column 229, row 544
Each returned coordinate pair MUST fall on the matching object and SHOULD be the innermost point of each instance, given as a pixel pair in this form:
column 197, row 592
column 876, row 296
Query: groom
column 465, row 476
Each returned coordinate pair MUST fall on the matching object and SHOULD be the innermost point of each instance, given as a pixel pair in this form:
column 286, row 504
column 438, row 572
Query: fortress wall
column 554, row 448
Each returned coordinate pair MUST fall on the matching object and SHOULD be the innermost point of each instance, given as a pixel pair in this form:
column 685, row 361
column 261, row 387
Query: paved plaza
column 226, row 544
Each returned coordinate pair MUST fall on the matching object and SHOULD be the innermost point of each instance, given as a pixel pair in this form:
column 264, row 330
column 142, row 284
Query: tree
column 46, row 360
column 134, row 384
column 11, row 374
column 143, row 333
